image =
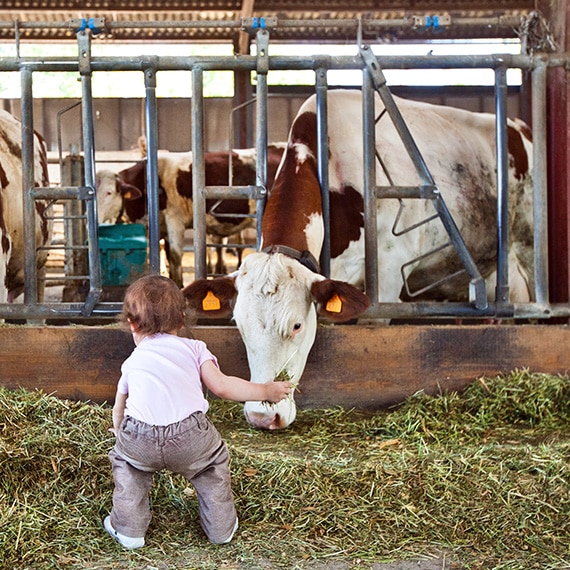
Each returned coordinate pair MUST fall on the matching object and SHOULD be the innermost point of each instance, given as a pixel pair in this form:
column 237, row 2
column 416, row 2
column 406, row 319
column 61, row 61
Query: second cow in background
column 124, row 195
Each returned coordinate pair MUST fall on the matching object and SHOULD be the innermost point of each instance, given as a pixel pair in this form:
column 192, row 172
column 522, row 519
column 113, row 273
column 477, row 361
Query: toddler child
column 159, row 416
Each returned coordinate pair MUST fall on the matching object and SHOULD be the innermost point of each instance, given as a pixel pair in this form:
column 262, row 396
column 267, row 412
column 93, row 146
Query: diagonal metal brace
column 477, row 293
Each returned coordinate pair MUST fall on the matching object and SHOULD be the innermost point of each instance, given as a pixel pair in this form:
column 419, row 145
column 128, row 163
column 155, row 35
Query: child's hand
column 276, row 391
column 113, row 431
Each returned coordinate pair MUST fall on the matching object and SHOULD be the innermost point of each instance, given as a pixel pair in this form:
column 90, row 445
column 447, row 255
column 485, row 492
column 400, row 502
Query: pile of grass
column 483, row 476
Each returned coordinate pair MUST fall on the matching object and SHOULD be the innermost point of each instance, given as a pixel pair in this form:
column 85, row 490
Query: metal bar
column 540, row 194
column 369, row 187
column 380, row 311
column 323, row 167
column 28, row 180
column 57, row 311
column 95, row 284
column 506, row 21
column 151, row 131
column 225, row 192
column 246, row 62
column 262, row 41
column 74, row 214
column 424, row 192
column 380, row 85
column 231, row 134
column 502, row 287
column 64, row 193
column 436, row 310
column 198, row 174
column 62, row 247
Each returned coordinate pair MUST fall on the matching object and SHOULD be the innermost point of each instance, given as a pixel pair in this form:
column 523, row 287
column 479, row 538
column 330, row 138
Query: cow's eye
column 297, row 327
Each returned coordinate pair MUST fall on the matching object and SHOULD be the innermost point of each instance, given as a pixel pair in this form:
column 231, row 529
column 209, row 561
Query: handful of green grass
column 282, row 376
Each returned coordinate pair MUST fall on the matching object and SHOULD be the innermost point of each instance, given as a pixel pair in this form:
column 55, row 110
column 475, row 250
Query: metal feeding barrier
column 374, row 81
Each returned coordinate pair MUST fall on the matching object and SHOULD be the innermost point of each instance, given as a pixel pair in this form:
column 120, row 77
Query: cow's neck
column 304, row 257
column 292, row 220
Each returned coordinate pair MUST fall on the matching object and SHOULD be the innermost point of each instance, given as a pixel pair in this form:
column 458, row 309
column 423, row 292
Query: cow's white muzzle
column 264, row 415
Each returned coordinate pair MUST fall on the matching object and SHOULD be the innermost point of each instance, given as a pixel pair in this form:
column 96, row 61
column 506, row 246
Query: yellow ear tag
column 334, row 304
column 210, row 302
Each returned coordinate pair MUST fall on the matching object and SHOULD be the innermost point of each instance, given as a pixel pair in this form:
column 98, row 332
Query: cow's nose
column 277, row 422
column 265, row 421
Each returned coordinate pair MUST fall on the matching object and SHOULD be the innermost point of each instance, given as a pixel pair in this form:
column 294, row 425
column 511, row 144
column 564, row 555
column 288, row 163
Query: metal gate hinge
column 252, row 25
column 95, row 25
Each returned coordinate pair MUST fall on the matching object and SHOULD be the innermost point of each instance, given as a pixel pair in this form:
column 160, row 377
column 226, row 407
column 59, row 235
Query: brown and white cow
column 125, row 193
column 278, row 292
column 5, row 243
column 11, row 207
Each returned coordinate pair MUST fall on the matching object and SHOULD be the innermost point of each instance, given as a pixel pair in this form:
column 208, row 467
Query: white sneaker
column 125, row 541
column 232, row 534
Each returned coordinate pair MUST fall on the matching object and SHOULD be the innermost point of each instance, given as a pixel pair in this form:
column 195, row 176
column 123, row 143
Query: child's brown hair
column 154, row 304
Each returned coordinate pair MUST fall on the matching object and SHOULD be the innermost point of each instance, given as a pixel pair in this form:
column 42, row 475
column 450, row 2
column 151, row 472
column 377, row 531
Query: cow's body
column 127, row 192
column 5, row 246
column 11, row 207
column 275, row 296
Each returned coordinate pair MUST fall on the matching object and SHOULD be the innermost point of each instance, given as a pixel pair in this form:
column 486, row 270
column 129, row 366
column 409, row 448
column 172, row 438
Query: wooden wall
column 349, row 366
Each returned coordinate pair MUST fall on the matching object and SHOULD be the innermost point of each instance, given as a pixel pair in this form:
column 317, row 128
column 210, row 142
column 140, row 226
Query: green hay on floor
column 483, row 476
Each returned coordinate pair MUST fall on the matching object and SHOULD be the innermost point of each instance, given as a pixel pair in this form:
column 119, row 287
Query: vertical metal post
column 29, row 233
column 74, row 211
column 502, row 288
column 323, row 166
column 262, row 41
column 540, row 195
column 198, row 173
column 84, row 44
column 370, row 202
column 151, row 131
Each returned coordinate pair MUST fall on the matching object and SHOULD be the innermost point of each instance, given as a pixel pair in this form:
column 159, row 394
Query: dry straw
column 483, row 476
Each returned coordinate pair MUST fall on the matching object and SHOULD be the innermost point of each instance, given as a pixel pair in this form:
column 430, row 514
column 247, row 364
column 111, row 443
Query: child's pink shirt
column 162, row 379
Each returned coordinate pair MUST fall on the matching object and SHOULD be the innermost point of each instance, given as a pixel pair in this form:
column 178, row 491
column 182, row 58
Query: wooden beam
column 349, row 366
column 244, row 40
column 557, row 12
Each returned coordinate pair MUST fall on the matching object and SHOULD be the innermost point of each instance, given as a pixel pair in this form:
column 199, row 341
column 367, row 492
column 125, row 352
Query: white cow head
column 111, row 192
column 275, row 302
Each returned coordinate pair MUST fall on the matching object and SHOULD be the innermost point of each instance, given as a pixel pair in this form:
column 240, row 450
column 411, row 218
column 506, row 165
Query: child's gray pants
column 193, row 448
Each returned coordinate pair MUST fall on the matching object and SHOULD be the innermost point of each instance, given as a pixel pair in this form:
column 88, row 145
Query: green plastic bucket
column 123, row 250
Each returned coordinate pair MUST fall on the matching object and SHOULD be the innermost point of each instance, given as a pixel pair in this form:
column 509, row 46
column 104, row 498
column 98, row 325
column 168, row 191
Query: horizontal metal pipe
column 425, row 192
column 56, row 311
column 377, row 311
column 225, row 192
column 279, row 63
column 366, row 23
column 64, row 193
column 464, row 310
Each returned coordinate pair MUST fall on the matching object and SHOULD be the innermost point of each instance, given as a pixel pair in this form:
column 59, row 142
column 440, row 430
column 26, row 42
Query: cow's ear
column 128, row 191
column 338, row 301
column 211, row 297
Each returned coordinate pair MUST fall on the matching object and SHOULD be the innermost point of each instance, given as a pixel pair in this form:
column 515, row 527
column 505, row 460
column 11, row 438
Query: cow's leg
column 175, row 230
column 219, row 268
column 220, row 264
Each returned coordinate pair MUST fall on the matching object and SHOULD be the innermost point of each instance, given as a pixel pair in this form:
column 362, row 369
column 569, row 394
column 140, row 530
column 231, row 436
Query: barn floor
column 477, row 480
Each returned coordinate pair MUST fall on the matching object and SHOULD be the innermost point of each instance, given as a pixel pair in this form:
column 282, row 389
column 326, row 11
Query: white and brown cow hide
column 11, row 207
column 125, row 194
column 277, row 292
column 5, row 242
